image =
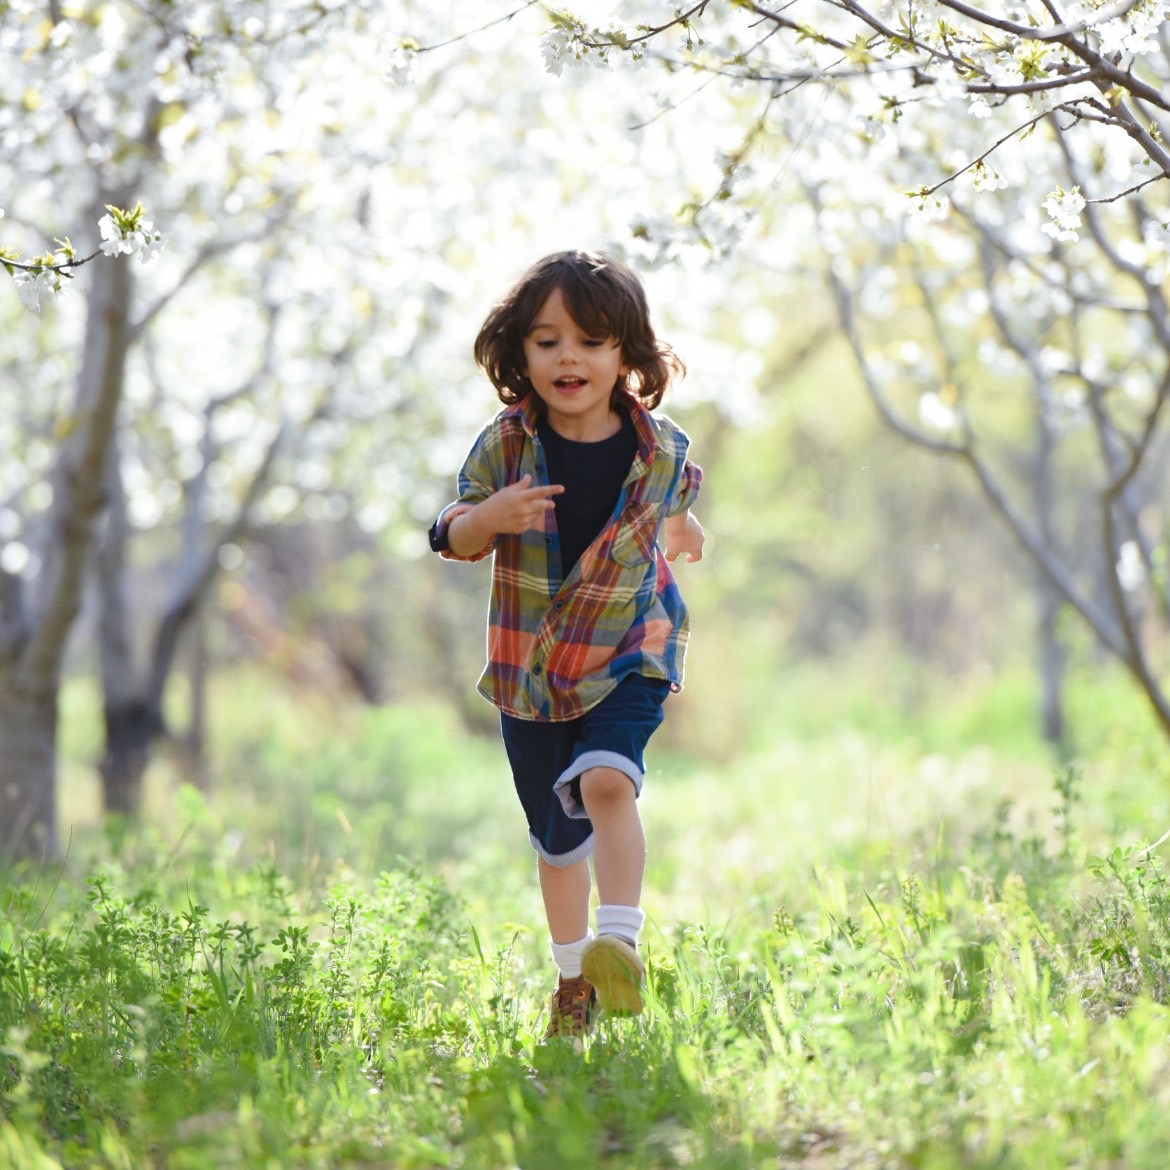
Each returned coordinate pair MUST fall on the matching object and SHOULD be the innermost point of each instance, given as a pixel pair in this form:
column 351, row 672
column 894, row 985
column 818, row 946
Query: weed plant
column 1001, row 1006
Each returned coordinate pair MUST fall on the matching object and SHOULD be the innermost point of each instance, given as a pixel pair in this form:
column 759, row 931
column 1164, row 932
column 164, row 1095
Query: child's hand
column 518, row 507
column 684, row 534
column 515, row 508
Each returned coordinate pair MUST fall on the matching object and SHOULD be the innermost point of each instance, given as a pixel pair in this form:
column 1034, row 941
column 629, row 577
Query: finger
column 523, row 481
column 550, row 489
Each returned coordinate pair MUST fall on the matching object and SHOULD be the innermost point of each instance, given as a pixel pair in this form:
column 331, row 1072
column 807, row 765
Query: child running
column 571, row 487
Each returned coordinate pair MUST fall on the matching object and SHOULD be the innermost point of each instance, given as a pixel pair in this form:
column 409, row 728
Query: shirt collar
column 525, row 411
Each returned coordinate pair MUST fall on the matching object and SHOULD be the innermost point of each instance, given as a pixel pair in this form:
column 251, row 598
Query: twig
column 682, row 18
column 482, row 28
column 1129, row 191
column 925, row 191
column 51, row 267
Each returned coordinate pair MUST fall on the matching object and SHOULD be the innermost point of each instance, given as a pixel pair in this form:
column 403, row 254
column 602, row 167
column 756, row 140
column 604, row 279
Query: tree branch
column 1026, row 32
column 13, row 615
column 1159, row 312
column 1025, row 533
column 482, row 28
column 650, row 33
column 1124, row 473
column 186, row 598
column 1135, row 657
column 1096, row 299
column 926, row 191
column 1129, row 190
column 62, row 267
column 206, row 253
column 892, row 419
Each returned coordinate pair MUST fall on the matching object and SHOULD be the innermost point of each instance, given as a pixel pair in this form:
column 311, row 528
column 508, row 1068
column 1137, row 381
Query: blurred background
column 217, row 604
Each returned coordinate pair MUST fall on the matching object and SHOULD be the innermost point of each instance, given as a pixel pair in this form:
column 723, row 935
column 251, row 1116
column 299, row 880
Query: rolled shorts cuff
column 560, row 860
column 595, row 759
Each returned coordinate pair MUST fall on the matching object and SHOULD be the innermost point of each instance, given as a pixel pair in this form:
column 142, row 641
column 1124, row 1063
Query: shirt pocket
column 636, row 538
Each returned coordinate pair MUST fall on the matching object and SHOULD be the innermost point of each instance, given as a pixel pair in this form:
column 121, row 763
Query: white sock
column 567, row 956
column 624, row 921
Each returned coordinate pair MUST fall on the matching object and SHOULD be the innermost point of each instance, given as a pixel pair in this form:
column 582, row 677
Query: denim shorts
column 548, row 759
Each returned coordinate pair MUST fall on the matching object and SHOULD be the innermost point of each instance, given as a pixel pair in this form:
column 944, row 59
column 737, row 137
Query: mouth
column 569, row 384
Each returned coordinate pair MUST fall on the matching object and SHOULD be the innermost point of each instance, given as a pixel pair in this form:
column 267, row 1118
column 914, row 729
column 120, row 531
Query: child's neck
column 586, row 430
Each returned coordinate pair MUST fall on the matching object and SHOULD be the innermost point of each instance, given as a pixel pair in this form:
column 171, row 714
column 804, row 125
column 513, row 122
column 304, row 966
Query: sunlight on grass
column 859, row 953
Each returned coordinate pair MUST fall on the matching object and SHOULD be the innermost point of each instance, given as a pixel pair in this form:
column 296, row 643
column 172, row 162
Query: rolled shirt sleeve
column 687, row 489
column 482, row 474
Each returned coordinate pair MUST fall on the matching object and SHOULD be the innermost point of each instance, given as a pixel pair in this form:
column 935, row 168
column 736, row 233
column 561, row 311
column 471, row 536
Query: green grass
column 861, row 952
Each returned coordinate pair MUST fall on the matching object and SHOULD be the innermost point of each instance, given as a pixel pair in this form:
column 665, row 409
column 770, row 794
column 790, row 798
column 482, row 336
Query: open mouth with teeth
column 569, row 383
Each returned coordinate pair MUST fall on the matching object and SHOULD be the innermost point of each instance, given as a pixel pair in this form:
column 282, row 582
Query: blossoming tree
column 985, row 191
column 330, row 227
column 102, row 105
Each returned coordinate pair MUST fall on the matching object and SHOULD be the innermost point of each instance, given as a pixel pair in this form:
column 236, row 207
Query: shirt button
column 548, row 540
column 536, row 669
column 559, row 605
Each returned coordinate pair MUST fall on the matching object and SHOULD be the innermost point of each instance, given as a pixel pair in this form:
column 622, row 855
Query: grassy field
column 868, row 945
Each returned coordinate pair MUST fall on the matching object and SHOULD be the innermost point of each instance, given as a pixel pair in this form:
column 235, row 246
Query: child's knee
column 606, row 788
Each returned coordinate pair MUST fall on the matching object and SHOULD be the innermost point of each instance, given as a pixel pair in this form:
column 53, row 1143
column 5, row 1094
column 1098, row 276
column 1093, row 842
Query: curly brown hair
column 605, row 298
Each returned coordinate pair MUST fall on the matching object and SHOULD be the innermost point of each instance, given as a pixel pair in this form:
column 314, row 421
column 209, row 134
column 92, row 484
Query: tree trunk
column 35, row 624
column 194, row 742
column 28, row 770
column 1052, row 661
column 131, row 729
column 1051, row 657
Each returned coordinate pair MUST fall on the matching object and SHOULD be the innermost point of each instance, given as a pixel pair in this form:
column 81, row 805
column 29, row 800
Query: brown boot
column 612, row 965
column 570, row 1014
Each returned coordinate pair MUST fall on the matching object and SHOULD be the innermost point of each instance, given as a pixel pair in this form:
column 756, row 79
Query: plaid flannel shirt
column 557, row 647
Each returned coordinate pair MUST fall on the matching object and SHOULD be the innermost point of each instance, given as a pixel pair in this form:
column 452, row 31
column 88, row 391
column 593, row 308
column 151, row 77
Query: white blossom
column 113, row 242
column 14, row 557
column 1131, row 572
column 1157, row 232
column 929, row 207
column 570, row 41
column 979, row 107
column 31, row 287
column 141, row 241
column 1064, row 210
column 935, row 413
column 1135, row 32
column 985, row 178
column 400, row 70
column 553, row 46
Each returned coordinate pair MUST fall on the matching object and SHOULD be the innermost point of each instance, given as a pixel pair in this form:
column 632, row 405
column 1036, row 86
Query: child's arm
column 515, row 508
column 684, row 534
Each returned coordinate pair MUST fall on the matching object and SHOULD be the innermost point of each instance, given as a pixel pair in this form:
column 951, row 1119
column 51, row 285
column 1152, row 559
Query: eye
column 545, row 343
column 593, row 342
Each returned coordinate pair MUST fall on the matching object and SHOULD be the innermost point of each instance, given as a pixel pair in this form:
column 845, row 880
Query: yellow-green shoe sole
column 616, row 972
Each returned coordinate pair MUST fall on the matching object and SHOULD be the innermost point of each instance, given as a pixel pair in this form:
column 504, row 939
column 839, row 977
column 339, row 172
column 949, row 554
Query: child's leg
column 619, row 845
column 610, row 962
column 538, row 752
column 565, row 890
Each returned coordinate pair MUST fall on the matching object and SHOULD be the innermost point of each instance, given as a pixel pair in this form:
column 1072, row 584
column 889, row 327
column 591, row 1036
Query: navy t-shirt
column 592, row 475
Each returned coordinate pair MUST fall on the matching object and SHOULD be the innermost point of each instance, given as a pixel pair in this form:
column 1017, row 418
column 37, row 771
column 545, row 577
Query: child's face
column 572, row 372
